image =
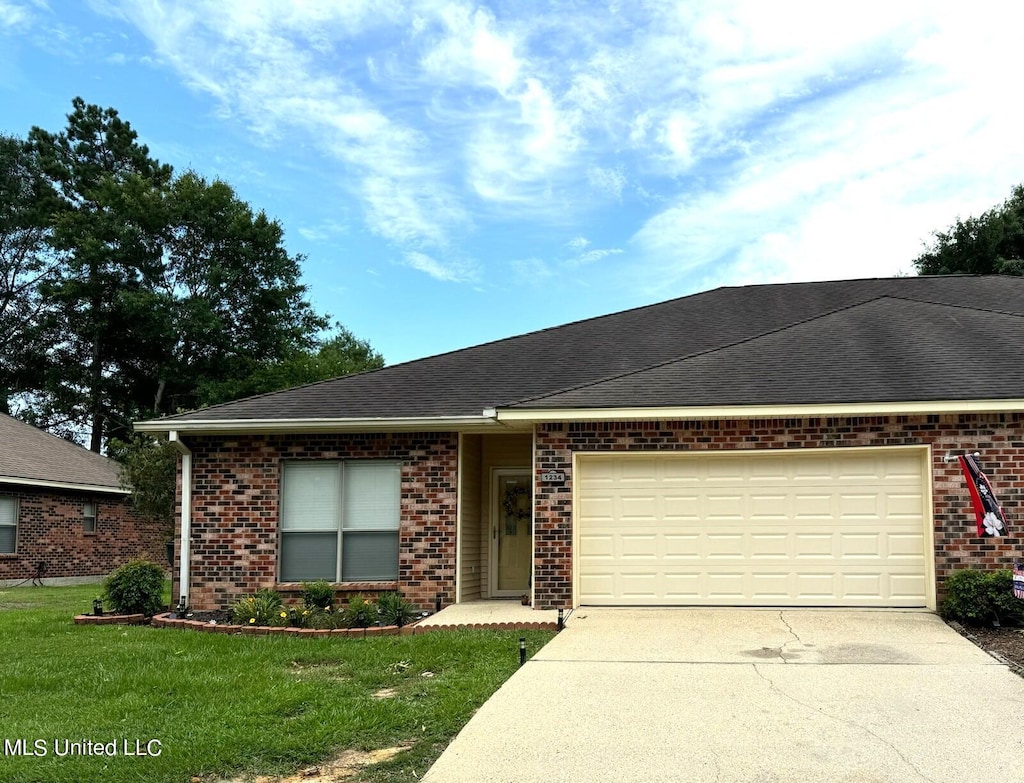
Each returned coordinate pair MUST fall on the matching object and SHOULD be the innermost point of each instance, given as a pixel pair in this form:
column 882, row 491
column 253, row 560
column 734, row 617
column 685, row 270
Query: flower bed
column 170, row 620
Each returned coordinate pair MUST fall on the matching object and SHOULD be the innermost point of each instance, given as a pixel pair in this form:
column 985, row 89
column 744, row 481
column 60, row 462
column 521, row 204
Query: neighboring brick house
column 779, row 445
column 63, row 514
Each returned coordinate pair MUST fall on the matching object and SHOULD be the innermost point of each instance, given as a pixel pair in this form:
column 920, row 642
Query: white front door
column 511, row 532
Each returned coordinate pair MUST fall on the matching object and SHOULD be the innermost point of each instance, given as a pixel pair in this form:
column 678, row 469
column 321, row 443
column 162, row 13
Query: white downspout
column 186, row 517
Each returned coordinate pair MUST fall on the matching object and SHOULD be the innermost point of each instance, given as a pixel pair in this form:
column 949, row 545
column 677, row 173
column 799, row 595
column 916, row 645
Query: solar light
column 97, row 608
column 522, row 650
column 561, row 619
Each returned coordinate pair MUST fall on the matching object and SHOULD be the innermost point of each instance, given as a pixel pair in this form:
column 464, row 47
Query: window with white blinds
column 8, row 525
column 339, row 521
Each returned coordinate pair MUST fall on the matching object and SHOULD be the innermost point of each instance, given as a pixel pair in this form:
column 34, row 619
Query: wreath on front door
column 514, row 511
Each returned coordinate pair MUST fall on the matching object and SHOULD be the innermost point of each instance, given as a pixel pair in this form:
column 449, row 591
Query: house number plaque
column 553, row 477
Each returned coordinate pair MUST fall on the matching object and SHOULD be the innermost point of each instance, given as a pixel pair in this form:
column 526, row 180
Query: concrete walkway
column 488, row 613
column 763, row 696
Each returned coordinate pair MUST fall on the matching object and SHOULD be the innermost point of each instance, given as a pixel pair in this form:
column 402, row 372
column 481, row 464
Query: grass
column 227, row 705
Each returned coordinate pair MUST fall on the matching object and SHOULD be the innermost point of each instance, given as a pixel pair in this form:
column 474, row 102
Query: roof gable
column 31, row 456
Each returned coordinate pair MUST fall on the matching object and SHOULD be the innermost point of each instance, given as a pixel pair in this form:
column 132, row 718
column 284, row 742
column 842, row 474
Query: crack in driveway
column 773, row 686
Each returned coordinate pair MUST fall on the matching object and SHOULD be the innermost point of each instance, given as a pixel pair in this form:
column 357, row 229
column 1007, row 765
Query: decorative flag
column 1018, row 580
column 991, row 521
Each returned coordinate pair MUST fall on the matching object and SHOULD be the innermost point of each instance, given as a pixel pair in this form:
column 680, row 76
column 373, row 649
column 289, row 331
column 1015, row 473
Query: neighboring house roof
column 31, row 457
column 852, row 341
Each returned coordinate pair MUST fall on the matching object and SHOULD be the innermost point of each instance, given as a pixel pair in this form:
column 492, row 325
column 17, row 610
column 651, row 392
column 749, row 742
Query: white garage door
column 786, row 528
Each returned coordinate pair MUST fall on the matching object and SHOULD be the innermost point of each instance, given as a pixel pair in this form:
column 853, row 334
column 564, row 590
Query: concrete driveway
column 761, row 696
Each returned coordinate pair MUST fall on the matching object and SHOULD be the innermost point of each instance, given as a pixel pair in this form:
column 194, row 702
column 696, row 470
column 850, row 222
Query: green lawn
column 222, row 705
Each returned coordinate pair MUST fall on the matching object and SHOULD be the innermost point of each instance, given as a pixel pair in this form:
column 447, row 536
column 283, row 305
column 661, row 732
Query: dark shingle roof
column 578, row 355
column 29, row 454
column 884, row 350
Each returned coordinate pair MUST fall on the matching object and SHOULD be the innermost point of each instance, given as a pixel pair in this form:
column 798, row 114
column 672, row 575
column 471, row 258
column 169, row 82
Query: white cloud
column 445, row 271
column 591, row 256
column 736, row 140
column 257, row 60
column 14, row 16
column 607, row 181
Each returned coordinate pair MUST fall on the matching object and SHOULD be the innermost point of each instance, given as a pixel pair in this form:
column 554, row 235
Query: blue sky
column 459, row 172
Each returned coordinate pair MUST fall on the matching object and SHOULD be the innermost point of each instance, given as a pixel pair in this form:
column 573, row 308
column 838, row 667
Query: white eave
column 324, row 425
column 64, row 485
column 514, row 418
column 520, row 416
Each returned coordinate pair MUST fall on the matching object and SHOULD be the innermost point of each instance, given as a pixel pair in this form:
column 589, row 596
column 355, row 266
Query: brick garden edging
column 166, row 621
column 110, row 619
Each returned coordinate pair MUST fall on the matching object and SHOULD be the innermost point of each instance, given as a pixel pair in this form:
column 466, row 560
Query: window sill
column 346, row 587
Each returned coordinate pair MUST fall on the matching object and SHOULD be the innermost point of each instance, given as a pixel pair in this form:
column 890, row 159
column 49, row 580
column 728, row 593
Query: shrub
column 261, row 608
column 135, row 588
column 319, row 593
column 359, row 613
column 394, row 609
column 980, row 597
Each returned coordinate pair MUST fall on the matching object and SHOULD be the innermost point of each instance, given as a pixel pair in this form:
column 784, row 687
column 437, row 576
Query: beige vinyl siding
column 499, row 451
column 471, row 530
column 814, row 527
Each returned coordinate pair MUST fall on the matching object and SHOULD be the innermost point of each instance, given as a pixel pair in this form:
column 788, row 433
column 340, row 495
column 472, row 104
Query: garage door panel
column 596, row 546
column 793, row 528
column 859, row 545
column 812, row 545
column 905, row 545
column 770, row 545
column 641, row 507
column 770, row 585
column 769, row 507
column 681, row 507
column 724, row 507
column 639, row 546
column 726, row 585
column 906, row 585
column 680, row 546
column 812, row 506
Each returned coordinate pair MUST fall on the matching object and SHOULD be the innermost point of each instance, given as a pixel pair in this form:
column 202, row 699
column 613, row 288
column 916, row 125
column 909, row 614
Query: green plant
column 981, row 597
column 359, row 613
column 310, row 617
column 319, row 593
column 395, row 609
column 261, row 608
column 135, row 588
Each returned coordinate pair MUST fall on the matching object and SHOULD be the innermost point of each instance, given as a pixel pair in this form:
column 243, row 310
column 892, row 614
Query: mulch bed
column 1007, row 642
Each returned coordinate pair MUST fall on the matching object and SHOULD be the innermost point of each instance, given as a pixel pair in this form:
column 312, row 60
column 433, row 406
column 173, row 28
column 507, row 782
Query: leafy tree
column 144, row 293
column 234, row 303
column 337, row 355
column 26, row 264
column 107, row 225
column 148, row 469
column 990, row 244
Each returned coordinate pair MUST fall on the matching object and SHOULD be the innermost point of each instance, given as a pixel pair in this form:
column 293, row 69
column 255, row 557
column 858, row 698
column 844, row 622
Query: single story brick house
column 64, row 516
column 772, row 445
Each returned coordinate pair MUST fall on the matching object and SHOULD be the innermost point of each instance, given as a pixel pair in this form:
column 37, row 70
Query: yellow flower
column 284, row 614
column 305, row 613
column 327, row 608
column 252, row 620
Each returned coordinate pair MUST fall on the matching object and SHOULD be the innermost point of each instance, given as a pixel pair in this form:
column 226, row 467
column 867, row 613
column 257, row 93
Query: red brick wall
column 50, row 530
column 235, row 491
column 999, row 438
